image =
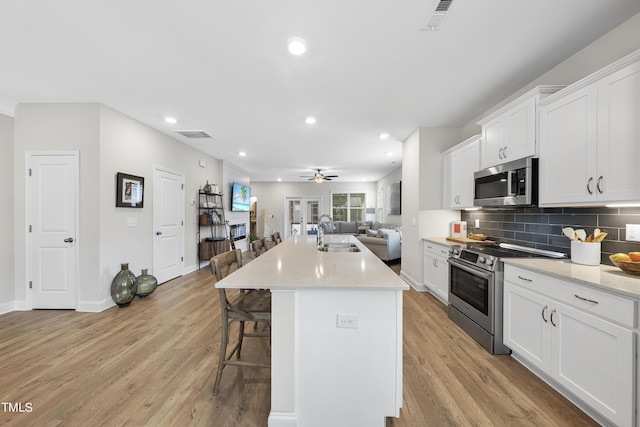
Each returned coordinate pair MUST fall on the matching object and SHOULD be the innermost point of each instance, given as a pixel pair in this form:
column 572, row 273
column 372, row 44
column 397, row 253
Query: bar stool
column 238, row 306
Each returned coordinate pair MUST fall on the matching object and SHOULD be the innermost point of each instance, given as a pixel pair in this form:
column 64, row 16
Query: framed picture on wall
column 394, row 198
column 129, row 191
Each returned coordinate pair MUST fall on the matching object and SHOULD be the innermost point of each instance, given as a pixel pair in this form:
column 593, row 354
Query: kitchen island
column 336, row 333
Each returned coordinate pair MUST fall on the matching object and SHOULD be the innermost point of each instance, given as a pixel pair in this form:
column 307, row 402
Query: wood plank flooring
column 153, row 364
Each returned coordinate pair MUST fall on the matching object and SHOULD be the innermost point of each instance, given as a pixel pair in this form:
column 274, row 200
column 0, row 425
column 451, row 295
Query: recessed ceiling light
column 310, row 120
column 279, row 179
column 384, row 135
column 297, row 46
column 242, row 153
column 389, row 153
column 171, row 120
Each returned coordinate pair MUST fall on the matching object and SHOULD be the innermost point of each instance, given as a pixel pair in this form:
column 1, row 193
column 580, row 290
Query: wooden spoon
column 569, row 232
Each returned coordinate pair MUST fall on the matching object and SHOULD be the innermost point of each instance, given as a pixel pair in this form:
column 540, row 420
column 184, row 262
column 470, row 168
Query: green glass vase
column 146, row 284
column 123, row 286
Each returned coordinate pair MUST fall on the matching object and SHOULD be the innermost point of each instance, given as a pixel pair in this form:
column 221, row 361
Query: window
column 348, row 206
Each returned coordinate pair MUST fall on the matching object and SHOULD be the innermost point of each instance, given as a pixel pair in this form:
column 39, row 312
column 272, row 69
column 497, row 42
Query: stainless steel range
column 476, row 281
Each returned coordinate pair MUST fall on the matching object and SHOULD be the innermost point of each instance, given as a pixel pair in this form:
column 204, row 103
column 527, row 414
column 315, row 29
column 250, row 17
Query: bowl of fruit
column 629, row 263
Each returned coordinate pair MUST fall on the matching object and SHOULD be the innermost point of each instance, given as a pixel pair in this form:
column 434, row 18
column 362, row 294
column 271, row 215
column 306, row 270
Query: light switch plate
column 132, row 222
column 633, row 232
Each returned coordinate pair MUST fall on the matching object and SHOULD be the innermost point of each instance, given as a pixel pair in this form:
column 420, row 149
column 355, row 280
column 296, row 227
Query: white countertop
column 604, row 277
column 296, row 264
column 441, row 241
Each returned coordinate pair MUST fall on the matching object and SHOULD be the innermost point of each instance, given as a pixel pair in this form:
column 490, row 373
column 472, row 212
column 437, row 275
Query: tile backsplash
column 542, row 227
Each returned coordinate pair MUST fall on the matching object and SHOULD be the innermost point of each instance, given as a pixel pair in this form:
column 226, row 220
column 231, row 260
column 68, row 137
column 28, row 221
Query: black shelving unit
column 212, row 226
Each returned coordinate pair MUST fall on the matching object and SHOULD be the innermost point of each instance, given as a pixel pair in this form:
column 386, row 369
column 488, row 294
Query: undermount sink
column 338, row 247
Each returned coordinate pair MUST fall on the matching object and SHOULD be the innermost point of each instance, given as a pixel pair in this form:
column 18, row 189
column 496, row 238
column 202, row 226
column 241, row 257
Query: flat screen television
column 240, row 197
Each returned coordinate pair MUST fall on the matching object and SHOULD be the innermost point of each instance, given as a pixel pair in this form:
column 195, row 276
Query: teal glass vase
column 123, row 286
column 146, row 284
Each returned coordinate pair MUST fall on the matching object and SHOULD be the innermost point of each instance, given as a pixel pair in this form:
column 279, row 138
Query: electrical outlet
column 347, row 321
column 633, row 232
column 477, row 223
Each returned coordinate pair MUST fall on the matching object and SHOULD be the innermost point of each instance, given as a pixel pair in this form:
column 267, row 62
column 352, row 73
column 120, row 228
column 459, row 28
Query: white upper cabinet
column 510, row 133
column 459, row 164
column 589, row 139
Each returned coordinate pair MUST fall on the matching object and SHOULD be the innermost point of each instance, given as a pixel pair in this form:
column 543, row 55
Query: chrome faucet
column 320, row 229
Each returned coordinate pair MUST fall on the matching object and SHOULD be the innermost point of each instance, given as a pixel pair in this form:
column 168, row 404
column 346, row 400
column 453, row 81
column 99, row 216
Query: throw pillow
column 383, row 231
column 372, row 233
column 327, row 227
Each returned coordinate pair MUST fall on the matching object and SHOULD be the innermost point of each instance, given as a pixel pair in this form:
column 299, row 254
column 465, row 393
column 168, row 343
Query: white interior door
column 168, row 225
column 52, row 216
column 301, row 215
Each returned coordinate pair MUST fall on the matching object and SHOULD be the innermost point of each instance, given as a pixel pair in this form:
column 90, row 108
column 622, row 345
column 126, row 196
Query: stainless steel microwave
column 509, row 184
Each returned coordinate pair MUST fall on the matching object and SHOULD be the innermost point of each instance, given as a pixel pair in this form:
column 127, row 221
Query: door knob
column 69, row 240
column 158, row 233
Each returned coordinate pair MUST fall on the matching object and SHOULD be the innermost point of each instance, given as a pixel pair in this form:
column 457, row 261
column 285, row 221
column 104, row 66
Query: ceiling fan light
column 297, row 46
column 318, row 179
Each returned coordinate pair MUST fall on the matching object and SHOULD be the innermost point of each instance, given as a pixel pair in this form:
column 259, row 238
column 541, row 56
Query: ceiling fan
column 318, row 176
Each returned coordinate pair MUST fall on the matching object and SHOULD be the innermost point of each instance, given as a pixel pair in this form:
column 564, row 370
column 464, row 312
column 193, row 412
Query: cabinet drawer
column 435, row 249
column 603, row 304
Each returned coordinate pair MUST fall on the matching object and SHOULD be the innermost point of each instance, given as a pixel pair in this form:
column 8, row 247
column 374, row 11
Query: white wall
column 422, row 214
column 42, row 127
column 7, row 289
column 129, row 146
column 271, row 196
column 232, row 173
column 614, row 45
column 109, row 142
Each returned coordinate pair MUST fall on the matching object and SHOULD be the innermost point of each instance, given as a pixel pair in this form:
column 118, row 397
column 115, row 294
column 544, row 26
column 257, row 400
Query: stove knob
column 454, row 251
column 482, row 260
column 489, row 262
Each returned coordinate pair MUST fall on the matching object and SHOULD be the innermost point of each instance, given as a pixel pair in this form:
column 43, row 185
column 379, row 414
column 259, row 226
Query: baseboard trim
column 282, row 419
column 412, row 282
column 7, row 307
column 95, row 306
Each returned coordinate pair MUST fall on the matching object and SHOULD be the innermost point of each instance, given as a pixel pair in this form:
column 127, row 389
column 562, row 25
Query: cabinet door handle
column 552, row 311
column 589, row 185
column 543, row 310
column 158, row 233
column 525, row 279
column 69, row 240
column 504, row 152
column 585, row 299
column 500, row 153
column 600, row 178
column 435, row 263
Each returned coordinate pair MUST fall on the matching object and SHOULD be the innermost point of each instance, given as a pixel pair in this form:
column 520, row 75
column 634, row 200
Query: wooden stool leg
column 223, row 355
column 240, row 337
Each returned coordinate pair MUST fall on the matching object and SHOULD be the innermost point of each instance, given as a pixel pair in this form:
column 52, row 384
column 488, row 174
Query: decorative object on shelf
column 207, row 188
column 146, row 284
column 129, row 191
column 123, row 286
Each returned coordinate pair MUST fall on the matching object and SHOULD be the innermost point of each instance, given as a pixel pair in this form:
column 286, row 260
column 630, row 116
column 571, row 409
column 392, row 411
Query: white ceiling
column 222, row 66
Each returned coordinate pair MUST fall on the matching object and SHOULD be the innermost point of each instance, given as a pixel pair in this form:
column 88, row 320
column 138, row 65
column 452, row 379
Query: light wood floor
column 153, row 363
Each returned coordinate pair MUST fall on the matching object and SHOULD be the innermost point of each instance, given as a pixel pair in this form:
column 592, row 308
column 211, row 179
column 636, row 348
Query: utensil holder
column 586, row 253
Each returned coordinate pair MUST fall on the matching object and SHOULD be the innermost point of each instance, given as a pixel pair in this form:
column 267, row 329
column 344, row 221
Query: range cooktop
column 488, row 256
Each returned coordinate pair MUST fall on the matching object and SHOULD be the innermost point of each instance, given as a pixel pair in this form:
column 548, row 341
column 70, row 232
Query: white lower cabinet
column 590, row 356
column 436, row 270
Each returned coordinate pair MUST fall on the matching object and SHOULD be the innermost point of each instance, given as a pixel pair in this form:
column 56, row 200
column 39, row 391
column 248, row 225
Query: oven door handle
column 475, row 271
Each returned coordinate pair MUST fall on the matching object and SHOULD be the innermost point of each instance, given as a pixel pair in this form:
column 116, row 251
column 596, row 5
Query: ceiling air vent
column 194, row 134
column 434, row 20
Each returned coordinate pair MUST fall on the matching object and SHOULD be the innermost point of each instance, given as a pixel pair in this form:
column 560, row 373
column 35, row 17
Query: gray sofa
column 386, row 243
column 384, row 240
